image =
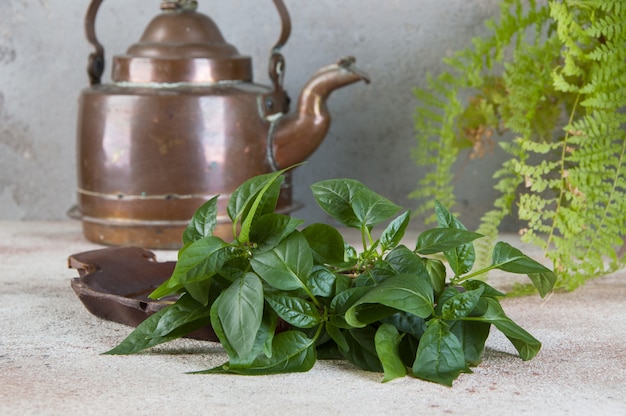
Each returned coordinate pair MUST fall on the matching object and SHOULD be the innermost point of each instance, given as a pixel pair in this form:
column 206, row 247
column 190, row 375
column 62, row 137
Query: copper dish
column 114, row 284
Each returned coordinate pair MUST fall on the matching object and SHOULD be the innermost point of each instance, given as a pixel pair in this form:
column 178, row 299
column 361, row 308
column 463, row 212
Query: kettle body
column 182, row 122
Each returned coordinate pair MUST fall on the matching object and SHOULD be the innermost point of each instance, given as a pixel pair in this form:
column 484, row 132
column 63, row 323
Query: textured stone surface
column 51, row 364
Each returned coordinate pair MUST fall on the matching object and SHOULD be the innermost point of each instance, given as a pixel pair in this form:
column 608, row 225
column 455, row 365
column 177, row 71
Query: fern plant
column 553, row 77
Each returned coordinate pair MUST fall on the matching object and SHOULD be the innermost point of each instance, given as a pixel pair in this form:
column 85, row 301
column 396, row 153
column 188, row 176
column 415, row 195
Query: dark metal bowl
column 114, row 284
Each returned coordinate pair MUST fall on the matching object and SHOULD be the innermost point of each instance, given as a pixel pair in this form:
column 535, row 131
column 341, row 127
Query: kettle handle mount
column 96, row 62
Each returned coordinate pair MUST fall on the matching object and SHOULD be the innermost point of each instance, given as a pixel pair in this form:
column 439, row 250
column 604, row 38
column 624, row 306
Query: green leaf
column 292, row 352
column 367, row 313
column 371, row 208
column 487, row 290
column 264, row 202
column 336, row 335
column 197, row 261
column 408, row 349
column 243, row 197
column 362, row 349
column 437, row 273
column 386, row 340
column 264, row 336
column 512, row 260
column 403, row 260
column 270, row 229
column 326, row 242
column 295, row 311
column 184, row 311
column 461, row 304
column 407, row 323
column 394, row 232
column 321, row 282
column 448, row 292
column 370, row 277
column 286, row 266
column 544, row 282
column 526, row 345
column 438, row 240
column 254, row 198
column 403, row 292
column 335, row 197
column 173, row 321
column 445, row 219
column 202, row 223
column 240, row 312
column 440, row 357
column 235, row 267
column 342, row 283
column 472, row 335
column 342, row 301
column 461, row 258
column 219, row 329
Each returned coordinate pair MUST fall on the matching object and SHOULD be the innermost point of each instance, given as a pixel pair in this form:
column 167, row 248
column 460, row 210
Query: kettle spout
column 295, row 136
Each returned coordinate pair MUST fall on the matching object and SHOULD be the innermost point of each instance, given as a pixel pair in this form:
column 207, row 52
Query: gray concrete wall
column 43, row 54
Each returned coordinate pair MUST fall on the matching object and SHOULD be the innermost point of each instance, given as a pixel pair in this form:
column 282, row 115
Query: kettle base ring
column 163, row 237
column 159, row 235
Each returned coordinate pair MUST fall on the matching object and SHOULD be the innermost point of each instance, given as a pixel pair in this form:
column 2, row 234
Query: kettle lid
column 181, row 45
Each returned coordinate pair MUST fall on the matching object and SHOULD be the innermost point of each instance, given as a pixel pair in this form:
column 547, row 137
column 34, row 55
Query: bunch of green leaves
column 553, row 78
column 280, row 295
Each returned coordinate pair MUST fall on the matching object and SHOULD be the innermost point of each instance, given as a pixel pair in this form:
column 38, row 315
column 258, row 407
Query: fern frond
column 567, row 179
column 609, row 26
column 443, row 134
column 508, row 182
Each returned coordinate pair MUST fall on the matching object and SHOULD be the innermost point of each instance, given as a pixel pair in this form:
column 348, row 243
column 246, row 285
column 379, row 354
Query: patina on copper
column 183, row 121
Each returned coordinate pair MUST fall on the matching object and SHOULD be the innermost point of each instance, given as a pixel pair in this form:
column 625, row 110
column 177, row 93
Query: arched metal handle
column 277, row 61
column 96, row 61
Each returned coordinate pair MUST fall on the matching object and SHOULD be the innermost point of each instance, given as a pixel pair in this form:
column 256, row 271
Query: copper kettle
column 183, row 121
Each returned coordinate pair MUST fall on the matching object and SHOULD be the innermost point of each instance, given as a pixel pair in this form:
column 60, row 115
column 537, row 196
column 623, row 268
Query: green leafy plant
column 553, row 77
column 279, row 296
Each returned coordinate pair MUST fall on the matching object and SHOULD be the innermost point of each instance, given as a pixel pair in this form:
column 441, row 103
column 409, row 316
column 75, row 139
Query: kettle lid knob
column 180, row 4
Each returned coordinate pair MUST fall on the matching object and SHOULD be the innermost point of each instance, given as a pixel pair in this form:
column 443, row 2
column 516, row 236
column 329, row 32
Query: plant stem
column 366, row 237
column 363, row 240
column 472, row 275
column 313, row 298
column 563, row 172
column 321, row 326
